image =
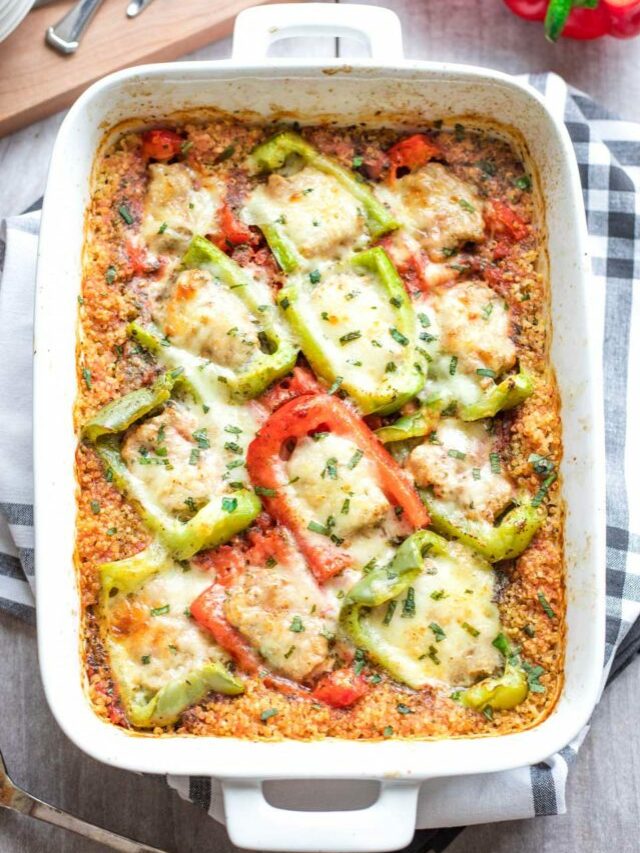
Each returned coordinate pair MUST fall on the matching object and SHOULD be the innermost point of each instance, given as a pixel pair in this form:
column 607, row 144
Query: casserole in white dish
column 414, row 93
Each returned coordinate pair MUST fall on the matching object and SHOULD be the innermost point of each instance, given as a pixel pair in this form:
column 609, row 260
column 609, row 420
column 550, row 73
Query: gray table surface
column 604, row 787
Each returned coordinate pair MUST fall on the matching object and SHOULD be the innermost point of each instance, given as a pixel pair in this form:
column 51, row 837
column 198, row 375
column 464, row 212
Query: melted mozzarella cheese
column 449, row 639
column 353, row 317
column 316, row 213
column 285, row 615
column 208, row 319
column 437, row 209
column 179, row 205
column 152, row 639
column 474, row 325
column 467, row 482
column 166, row 458
column 325, row 480
column 332, row 484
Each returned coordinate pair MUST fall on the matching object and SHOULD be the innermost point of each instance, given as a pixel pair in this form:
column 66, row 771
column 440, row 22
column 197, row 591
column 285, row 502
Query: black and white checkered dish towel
column 608, row 153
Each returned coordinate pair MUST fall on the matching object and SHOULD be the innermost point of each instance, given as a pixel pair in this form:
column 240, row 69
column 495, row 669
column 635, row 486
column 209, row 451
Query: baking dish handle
column 257, row 28
column 387, row 824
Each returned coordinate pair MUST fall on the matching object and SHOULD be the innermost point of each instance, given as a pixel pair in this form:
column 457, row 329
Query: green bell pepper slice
column 394, row 388
column 381, row 585
column 277, row 354
column 124, row 577
column 211, row 526
column 419, row 423
column 504, row 692
column 505, row 395
column 178, row 695
column 503, row 541
column 272, row 155
column 118, row 415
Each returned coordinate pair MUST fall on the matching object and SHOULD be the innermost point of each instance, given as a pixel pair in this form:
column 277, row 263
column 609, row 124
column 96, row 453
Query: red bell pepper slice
column 233, row 231
column 161, row 144
column 304, row 416
column 300, row 381
column 411, row 153
column 340, row 688
column 502, row 219
column 619, row 18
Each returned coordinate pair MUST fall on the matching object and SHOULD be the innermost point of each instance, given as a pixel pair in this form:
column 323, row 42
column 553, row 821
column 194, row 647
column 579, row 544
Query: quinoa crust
column 109, row 364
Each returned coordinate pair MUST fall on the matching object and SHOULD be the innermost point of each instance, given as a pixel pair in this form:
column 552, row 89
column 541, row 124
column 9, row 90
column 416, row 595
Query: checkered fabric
column 608, row 154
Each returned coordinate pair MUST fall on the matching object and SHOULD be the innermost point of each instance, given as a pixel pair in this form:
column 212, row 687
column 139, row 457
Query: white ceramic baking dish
column 399, row 92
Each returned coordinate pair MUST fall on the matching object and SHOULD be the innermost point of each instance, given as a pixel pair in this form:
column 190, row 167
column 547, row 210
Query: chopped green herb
column 357, row 456
column 523, row 182
column 398, row 337
column 234, row 430
column 425, row 322
column 374, row 678
column 466, row 205
column 345, row 507
column 488, row 712
column 433, row 655
column 95, row 507
column 494, row 460
column 225, row 154
column 360, row 660
column 409, row 604
column 146, row 659
column 289, row 652
column 235, row 463
column 390, row 367
column 487, row 167
column 270, row 562
column 438, row 633
column 318, row 436
column 194, row 456
column 404, row 709
column 529, row 630
column 266, row 715
column 191, row 504
column 80, row 300
column 448, row 253
column 112, row 531
column 396, row 301
column 542, row 465
column 110, row 274
column 201, row 439
column 296, row 625
column 86, row 375
column 456, row 454
column 186, row 146
column 162, row 228
column 125, row 213
column 337, row 383
column 160, row 611
column 473, row 632
column 533, row 677
column 475, row 473
column 357, row 162
column 316, row 527
column 453, row 365
column 284, row 304
column 487, row 310
column 391, row 609
column 314, row 276
column 546, row 606
column 486, row 371
column 330, row 469
column 229, row 504
column 387, row 731
column 349, row 336
column 544, row 488
column 438, row 594
column 265, row 492
column 232, row 446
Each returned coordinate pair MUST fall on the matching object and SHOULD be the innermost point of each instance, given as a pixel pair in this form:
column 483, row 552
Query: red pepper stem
column 558, row 12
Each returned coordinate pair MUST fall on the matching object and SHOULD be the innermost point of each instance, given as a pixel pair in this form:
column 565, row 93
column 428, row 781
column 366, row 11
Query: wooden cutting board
column 36, row 81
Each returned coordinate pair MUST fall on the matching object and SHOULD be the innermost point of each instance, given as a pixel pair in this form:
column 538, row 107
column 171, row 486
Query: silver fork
column 12, row 797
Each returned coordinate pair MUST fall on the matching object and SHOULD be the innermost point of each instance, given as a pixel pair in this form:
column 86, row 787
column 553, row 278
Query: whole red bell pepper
column 303, row 416
column 581, row 19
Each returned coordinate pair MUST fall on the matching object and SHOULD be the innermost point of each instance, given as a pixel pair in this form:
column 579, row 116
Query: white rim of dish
column 14, row 17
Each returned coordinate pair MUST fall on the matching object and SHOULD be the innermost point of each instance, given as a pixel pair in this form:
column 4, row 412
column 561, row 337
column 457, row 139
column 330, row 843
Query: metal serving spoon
column 12, row 797
column 66, row 34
